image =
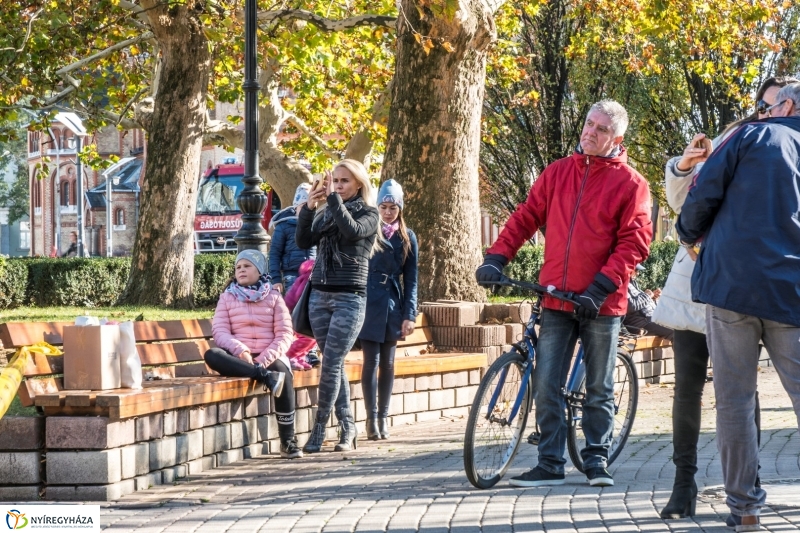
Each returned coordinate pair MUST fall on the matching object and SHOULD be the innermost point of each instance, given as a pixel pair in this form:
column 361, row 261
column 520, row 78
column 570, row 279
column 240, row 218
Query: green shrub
column 211, row 274
column 525, row 267
column 83, row 282
column 658, row 265
column 95, row 282
column 528, row 262
column 13, row 283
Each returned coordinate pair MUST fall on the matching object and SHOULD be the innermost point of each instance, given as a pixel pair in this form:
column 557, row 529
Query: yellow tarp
column 11, row 376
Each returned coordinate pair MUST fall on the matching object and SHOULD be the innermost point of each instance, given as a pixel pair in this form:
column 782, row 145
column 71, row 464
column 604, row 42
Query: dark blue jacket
column 387, row 304
column 285, row 256
column 746, row 202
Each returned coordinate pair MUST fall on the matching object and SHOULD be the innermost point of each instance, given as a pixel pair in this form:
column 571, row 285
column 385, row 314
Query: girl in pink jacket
column 252, row 329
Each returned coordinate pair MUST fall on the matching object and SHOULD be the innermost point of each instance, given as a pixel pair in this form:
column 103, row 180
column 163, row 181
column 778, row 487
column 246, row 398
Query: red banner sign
column 217, row 222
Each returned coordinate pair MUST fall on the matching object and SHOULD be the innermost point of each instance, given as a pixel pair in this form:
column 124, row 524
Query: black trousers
column 377, row 373
column 691, row 366
column 231, row 366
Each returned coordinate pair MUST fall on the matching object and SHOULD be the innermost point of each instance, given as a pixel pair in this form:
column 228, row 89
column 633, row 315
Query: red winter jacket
column 596, row 211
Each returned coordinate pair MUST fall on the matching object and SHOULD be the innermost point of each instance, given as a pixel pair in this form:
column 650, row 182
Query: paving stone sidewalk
column 414, row 482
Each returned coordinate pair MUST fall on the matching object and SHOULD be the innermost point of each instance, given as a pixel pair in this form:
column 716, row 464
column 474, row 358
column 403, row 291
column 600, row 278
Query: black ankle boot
column 683, row 500
column 317, row 437
column 373, row 433
column 272, row 381
column 348, row 435
column 383, row 427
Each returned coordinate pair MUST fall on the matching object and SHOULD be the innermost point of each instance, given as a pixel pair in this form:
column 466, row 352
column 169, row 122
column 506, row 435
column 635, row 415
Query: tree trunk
column 162, row 266
column 434, row 141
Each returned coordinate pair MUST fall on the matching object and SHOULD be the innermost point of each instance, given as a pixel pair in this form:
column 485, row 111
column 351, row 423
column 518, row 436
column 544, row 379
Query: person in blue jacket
column 391, row 307
column 285, row 257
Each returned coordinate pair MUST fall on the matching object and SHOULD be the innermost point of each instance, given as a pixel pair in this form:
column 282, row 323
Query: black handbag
column 300, row 319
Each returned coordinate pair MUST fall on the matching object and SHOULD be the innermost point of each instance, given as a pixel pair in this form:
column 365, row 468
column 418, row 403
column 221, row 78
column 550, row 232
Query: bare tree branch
column 327, row 24
column 27, row 34
column 107, row 52
column 300, row 125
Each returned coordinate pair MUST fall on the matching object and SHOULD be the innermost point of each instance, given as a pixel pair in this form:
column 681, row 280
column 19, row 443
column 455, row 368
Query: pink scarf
column 389, row 229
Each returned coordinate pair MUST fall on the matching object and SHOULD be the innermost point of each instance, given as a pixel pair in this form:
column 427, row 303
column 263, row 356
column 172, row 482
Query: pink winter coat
column 263, row 328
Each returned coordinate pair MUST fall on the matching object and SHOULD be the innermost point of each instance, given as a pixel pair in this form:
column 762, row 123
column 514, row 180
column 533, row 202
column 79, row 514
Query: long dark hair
column 775, row 81
column 403, row 231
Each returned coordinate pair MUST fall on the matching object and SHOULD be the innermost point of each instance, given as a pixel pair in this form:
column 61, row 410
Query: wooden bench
column 172, row 357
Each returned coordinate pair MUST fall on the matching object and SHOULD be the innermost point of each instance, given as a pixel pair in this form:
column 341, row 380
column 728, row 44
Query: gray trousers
column 336, row 319
column 733, row 340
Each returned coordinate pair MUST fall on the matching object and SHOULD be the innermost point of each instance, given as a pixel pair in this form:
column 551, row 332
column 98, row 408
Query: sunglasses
column 761, row 107
column 768, row 111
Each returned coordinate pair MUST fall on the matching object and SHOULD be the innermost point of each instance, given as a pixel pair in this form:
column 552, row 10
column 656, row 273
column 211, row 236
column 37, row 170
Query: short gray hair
column 790, row 92
column 614, row 111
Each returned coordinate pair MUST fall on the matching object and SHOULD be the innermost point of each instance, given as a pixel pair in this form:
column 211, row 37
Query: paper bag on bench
column 91, row 357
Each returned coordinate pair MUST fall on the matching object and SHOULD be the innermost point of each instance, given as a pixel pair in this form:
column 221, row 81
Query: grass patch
column 17, row 409
column 122, row 313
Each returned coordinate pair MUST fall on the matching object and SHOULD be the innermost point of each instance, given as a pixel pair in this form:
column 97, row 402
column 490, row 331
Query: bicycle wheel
column 626, row 399
column 491, row 443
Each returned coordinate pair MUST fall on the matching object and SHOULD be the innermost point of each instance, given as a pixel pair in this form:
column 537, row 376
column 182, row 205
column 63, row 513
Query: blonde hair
column 359, row 172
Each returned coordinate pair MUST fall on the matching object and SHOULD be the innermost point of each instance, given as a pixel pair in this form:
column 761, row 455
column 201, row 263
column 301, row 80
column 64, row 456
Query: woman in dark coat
column 391, row 310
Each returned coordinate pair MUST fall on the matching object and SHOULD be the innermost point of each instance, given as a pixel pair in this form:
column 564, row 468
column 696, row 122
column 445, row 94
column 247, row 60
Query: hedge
column 95, row 282
column 528, row 262
column 13, row 282
column 98, row 282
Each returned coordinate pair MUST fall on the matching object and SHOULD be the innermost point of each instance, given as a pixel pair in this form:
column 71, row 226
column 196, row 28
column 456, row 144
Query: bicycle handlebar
column 550, row 290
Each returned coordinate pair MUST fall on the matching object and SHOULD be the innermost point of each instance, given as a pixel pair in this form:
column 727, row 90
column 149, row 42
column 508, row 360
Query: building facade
column 53, row 207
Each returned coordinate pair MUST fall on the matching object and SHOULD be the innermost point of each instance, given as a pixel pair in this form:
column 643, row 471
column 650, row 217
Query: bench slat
column 17, row 334
column 175, row 352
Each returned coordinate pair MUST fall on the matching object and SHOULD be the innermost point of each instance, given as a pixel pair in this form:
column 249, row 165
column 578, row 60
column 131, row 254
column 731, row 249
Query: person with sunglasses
column 676, row 310
column 751, row 298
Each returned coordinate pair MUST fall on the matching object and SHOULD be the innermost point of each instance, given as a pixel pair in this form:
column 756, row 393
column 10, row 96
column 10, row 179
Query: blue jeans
column 336, row 319
column 559, row 332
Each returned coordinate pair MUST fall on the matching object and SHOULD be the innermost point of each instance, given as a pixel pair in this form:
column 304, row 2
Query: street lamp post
column 252, row 201
column 75, row 125
column 112, row 178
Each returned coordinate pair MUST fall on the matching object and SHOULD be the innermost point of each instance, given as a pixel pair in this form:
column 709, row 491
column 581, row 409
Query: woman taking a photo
column 390, row 310
column 344, row 229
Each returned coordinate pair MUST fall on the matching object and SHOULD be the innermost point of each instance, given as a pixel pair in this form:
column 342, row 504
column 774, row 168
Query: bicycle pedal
column 533, row 438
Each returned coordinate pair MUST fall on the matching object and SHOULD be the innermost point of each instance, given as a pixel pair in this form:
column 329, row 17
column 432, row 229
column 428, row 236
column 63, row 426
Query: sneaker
column 273, row 381
column 290, row 450
column 313, row 358
column 737, row 523
column 538, row 477
column 599, row 477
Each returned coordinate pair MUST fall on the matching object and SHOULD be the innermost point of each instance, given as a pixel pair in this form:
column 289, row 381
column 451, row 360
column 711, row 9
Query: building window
column 65, row 193
column 119, row 217
column 74, row 185
column 37, row 191
column 24, row 235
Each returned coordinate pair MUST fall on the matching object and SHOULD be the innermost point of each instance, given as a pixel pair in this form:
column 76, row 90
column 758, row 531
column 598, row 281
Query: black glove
column 590, row 302
column 491, row 271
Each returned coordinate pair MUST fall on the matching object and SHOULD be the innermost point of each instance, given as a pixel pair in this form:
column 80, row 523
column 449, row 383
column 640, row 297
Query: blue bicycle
column 504, row 402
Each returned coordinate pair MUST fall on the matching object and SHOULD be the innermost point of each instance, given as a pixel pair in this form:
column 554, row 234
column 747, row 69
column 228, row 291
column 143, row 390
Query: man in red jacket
column 597, row 212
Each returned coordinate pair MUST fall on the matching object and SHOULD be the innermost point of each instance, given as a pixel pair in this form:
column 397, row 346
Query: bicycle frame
column 530, row 339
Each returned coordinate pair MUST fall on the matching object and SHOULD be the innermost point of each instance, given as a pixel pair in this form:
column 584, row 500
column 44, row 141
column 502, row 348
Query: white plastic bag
column 130, row 366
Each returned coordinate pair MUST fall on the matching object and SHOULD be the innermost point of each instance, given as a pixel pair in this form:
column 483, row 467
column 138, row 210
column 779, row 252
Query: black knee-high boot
column 691, row 364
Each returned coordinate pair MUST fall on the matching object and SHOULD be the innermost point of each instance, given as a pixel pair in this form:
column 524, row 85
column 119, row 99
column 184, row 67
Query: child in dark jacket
column 285, row 259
